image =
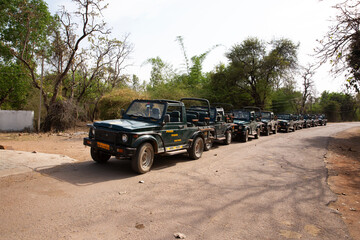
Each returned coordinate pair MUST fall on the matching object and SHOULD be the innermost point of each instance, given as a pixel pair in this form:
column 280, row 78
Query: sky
column 153, row 26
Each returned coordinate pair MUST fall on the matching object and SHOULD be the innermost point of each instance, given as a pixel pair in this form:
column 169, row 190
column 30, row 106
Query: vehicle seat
column 155, row 113
column 203, row 117
column 192, row 118
column 175, row 116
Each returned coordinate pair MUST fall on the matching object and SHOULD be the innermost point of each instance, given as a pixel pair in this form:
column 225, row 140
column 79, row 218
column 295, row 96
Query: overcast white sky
column 154, row 24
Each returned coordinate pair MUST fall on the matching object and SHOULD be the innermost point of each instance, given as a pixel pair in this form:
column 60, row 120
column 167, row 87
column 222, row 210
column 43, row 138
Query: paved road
column 270, row 188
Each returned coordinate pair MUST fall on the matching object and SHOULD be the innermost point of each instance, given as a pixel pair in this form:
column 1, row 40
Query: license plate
column 103, row 145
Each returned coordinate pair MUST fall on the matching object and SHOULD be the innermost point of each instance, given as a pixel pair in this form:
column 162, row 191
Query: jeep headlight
column 124, row 138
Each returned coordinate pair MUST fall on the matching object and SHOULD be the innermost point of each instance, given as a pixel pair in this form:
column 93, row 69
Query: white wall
column 11, row 121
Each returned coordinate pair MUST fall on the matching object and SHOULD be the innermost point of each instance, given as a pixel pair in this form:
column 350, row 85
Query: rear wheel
column 227, row 140
column 143, row 159
column 99, row 156
column 197, row 148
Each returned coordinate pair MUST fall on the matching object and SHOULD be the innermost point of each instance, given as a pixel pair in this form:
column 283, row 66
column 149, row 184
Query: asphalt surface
column 270, row 188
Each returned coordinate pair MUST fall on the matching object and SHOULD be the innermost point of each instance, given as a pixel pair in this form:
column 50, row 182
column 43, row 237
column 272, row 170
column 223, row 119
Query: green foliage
column 161, row 72
column 339, row 106
column 285, row 100
column 111, row 104
column 23, row 28
column 14, row 86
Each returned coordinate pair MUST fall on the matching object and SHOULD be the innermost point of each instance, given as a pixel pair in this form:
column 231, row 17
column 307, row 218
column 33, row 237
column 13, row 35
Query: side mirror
column 166, row 118
column 122, row 112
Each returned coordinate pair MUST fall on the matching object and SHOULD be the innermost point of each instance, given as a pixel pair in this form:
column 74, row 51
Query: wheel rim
column 228, row 139
column 198, row 148
column 146, row 157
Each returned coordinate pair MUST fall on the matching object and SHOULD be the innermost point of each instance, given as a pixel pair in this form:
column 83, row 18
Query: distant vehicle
column 322, row 120
column 270, row 123
column 299, row 121
column 245, row 125
column 308, row 121
column 223, row 128
column 286, row 122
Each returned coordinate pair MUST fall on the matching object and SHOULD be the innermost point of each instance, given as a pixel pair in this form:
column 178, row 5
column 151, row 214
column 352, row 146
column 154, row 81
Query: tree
column 161, row 72
column 341, row 44
column 24, row 27
column 257, row 71
column 308, row 86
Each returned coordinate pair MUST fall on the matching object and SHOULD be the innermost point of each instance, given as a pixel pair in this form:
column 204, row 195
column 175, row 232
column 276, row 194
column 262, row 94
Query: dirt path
column 343, row 163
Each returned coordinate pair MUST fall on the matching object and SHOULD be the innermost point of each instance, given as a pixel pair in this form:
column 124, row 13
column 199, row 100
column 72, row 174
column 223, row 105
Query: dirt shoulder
column 343, row 163
column 69, row 143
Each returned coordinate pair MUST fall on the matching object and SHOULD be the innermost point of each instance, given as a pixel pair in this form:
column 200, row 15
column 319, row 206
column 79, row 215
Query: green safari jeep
column 147, row 127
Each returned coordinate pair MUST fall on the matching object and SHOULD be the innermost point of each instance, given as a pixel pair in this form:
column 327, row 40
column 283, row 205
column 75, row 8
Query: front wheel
column 267, row 133
column 227, row 140
column 196, row 149
column 275, row 130
column 245, row 136
column 208, row 145
column 143, row 159
column 257, row 133
column 99, row 156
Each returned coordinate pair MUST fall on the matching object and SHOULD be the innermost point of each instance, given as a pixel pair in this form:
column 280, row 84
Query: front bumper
column 119, row 151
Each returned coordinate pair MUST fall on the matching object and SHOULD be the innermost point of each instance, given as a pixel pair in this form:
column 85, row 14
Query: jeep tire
column 197, row 148
column 245, row 136
column 208, row 145
column 257, row 133
column 268, row 129
column 275, row 130
column 143, row 159
column 227, row 140
column 287, row 129
column 99, row 156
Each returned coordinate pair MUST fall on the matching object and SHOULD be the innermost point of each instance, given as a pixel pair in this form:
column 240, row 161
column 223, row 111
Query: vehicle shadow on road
column 89, row 172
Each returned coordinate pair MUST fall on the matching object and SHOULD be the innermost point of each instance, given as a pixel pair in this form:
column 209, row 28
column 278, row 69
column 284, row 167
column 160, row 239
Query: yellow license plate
column 103, row 145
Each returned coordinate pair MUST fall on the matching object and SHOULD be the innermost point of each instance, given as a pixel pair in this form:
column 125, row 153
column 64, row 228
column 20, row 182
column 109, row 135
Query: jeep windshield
column 266, row 115
column 240, row 115
column 145, row 110
column 284, row 116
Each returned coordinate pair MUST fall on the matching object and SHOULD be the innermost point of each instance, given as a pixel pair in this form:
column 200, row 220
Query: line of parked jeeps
column 150, row 127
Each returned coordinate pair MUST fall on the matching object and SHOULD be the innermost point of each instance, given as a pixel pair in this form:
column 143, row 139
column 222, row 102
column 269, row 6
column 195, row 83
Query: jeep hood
column 284, row 121
column 126, row 125
column 240, row 122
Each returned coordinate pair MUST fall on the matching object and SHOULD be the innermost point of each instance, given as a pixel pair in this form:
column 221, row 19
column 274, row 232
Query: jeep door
column 174, row 132
column 220, row 126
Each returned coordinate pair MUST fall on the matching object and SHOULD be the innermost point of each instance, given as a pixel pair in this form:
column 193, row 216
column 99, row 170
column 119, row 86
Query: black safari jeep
column 270, row 123
column 286, row 122
column 322, row 120
column 148, row 127
column 245, row 125
column 220, row 122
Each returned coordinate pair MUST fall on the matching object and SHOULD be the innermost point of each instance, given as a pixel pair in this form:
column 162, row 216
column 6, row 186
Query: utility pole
column 41, row 86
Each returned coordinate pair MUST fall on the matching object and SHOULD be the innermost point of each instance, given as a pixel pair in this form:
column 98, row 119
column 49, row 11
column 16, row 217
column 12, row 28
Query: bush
column 111, row 104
